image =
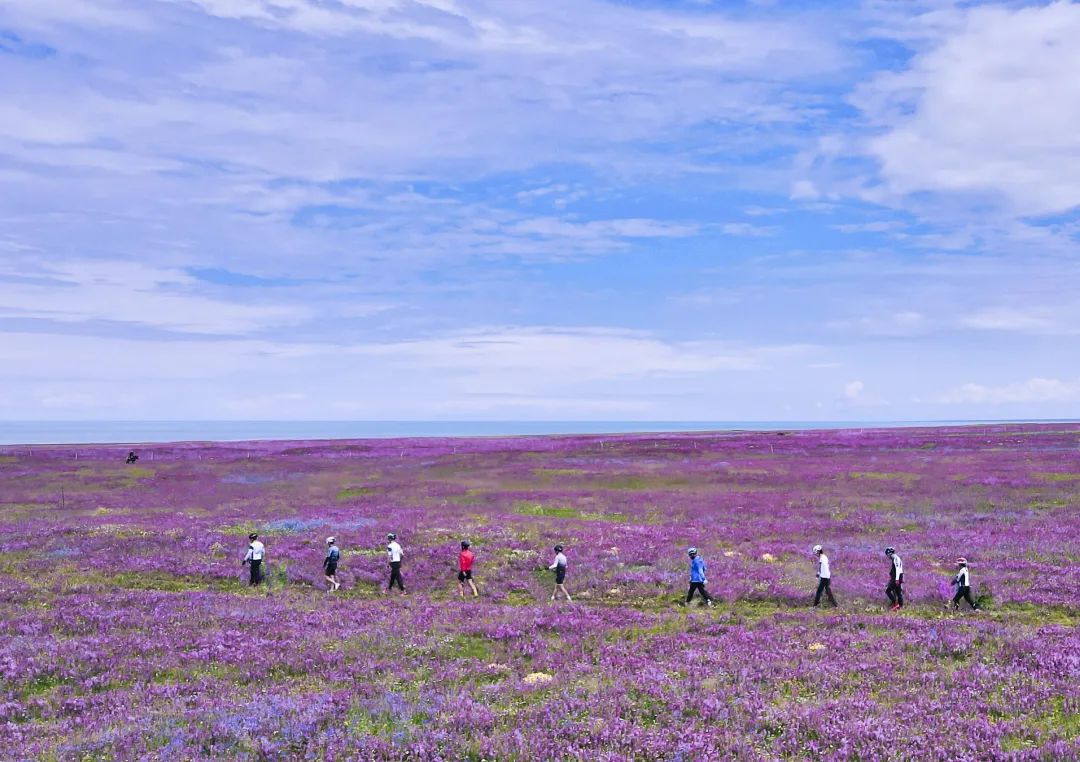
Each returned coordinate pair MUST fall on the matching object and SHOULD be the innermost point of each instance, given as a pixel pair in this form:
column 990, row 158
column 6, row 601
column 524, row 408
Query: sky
column 515, row 210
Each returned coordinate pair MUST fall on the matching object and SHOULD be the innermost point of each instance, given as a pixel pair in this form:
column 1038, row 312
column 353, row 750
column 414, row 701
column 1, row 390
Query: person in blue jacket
column 697, row 577
column 330, row 562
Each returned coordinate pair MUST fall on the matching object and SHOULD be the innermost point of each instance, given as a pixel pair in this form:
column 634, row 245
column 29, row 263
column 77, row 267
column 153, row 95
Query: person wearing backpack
column 330, row 562
column 895, row 589
column 962, row 583
column 256, row 552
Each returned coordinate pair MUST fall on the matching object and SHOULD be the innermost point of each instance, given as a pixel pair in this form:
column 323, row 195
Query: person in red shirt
column 465, row 565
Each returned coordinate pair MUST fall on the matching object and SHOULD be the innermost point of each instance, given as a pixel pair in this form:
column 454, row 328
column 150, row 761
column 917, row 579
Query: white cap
column 817, row 548
column 330, row 540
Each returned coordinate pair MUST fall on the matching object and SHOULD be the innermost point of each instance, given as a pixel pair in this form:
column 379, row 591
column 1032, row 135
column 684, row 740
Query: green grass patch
column 167, row 582
column 465, row 646
column 551, row 511
column 567, row 512
column 1057, row 476
column 639, row 482
column 349, row 493
column 1060, row 719
column 904, row 477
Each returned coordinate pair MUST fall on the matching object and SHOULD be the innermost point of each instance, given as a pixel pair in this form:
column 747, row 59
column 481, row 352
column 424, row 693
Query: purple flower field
column 127, row 629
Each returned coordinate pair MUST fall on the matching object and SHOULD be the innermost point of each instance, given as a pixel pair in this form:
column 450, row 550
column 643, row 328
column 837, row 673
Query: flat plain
column 127, row 629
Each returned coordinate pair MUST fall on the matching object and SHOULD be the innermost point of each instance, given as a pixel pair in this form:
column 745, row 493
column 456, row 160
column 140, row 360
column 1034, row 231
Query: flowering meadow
column 128, row 630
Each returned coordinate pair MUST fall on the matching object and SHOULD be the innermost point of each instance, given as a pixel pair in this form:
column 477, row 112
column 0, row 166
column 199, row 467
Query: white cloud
column 988, row 109
column 879, row 226
column 78, row 291
column 502, row 372
column 900, row 324
column 599, row 231
column 537, row 357
column 1033, row 390
column 1010, row 319
column 853, row 389
column 747, row 229
column 402, row 88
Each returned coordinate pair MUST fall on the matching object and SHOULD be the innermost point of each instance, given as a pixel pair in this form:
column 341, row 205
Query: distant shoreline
column 23, row 433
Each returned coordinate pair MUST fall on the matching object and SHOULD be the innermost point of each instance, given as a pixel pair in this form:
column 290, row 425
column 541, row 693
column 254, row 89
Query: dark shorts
column 331, row 570
column 560, row 575
column 464, row 575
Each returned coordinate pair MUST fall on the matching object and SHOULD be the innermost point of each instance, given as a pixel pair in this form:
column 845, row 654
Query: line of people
column 256, row 554
column 895, row 589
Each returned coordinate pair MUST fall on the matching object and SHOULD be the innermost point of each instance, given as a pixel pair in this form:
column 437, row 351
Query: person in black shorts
column 466, row 559
column 559, row 567
column 333, row 555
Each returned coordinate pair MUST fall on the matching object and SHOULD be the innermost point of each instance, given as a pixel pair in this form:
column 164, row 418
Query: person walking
column 333, row 555
column 962, row 583
column 393, row 555
column 256, row 552
column 824, row 577
column 559, row 567
column 466, row 558
column 895, row 589
column 697, row 578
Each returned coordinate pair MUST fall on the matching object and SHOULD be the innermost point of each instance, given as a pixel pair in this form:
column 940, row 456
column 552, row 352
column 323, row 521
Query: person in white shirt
column 256, row 552
column 962, row 583
column 393, row 555
column 895, row 589
column 824, row 577
column 559, row 567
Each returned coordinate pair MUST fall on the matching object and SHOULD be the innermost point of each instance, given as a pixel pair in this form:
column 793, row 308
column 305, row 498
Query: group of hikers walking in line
column 256, row 554
column 895, row 589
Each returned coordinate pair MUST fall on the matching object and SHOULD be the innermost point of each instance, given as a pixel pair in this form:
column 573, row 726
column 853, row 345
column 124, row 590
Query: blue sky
column 577, row 209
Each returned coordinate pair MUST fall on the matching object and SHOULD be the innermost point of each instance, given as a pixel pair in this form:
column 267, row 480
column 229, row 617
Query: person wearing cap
column 962, row 583
column 256, row 552
column 895, row 589
column 393, row 555
column 466, row 558
column 697, row 578
column 559, row 567
column 824, row 577
column 333, row 555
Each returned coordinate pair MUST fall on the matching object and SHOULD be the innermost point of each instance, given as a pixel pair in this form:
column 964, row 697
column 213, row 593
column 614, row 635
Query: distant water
column 131, row 432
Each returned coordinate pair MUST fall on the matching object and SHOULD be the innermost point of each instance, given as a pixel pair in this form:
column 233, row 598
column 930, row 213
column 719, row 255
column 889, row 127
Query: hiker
column 895, row 590
column 333, row 555
column 559, row 567
column 824, row 577
column 131, row 457
column 697, row 578
column 465, row 564
column 393, row 555
column 255, row 553
column 962, row 583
